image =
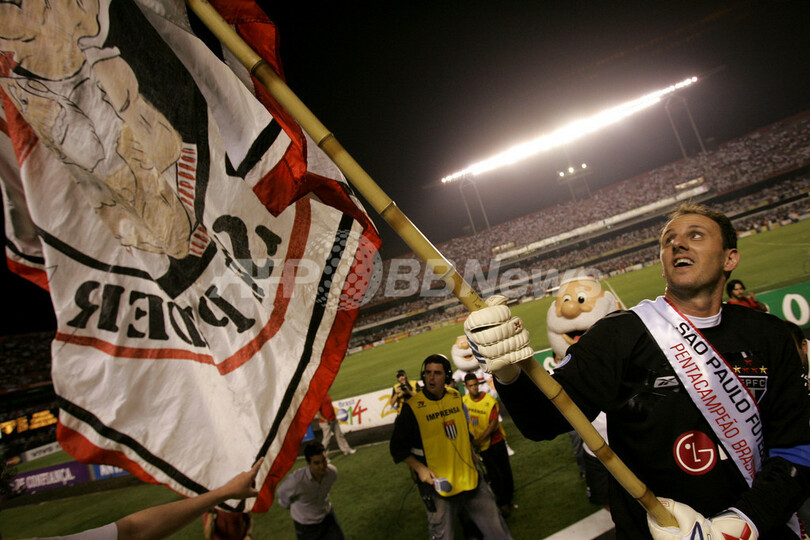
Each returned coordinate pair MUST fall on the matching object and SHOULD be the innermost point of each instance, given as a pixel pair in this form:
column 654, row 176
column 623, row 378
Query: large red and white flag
column 204, row 258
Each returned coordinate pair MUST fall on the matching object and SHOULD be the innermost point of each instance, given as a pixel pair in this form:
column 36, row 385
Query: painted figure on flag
column 204, row 258
column 84, row 103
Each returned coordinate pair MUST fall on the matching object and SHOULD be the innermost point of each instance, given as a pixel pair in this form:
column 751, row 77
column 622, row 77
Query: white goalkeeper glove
column 497, row 339
column 724, row 526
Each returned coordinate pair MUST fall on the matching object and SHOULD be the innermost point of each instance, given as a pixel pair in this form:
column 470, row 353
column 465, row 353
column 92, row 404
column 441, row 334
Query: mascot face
column 462, row 355
column 579, row 304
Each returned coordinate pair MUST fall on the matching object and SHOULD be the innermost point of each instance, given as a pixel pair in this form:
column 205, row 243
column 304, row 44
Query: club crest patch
column 450, row 429
column 751, row 371
column 757, row 385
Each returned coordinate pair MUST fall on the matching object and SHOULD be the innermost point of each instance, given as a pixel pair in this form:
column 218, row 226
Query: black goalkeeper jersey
column 659, row 433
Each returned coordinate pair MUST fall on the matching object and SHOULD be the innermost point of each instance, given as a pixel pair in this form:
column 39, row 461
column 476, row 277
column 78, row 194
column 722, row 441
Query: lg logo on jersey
column 695, row 453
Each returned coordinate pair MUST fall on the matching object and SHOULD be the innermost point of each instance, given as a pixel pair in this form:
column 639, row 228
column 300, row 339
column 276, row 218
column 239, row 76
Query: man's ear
column 732, row 260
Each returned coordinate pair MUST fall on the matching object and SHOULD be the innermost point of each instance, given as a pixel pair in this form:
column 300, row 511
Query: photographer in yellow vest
column 403, row 390
column 489, row 440
column 432, row 437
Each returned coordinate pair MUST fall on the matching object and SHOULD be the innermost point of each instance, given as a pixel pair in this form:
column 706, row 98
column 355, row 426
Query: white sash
column 715, row 389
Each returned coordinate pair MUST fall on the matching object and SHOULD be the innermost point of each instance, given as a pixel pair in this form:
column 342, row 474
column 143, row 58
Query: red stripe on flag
column 292, row 442
column 34, row 275
column 332, row 357
column 118, row 351
column 79, row 447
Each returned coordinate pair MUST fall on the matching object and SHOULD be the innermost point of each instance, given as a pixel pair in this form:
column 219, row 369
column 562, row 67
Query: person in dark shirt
column 705, row 401
column 737, row 295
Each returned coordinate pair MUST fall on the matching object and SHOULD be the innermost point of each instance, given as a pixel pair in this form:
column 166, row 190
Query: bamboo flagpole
column 422, row 247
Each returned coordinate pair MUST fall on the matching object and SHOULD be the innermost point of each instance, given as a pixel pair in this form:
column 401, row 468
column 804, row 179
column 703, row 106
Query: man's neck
column 430, row 395
column 700, row 305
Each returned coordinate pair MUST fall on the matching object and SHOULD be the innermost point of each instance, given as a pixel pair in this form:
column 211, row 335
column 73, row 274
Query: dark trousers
column 328, row 529
column 499, row 472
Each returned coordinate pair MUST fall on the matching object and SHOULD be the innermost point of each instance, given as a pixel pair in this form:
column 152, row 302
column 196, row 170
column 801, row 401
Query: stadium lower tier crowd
column 26, row 360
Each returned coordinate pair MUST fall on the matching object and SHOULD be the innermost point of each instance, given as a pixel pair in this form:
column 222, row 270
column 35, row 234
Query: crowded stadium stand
column 27, row 401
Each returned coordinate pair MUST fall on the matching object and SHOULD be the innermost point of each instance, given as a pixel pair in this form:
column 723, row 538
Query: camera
column 404, row 387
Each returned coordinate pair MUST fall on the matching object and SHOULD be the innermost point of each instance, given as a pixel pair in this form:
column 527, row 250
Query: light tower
column 573, row 173
column 677, row 99
column 469, row 180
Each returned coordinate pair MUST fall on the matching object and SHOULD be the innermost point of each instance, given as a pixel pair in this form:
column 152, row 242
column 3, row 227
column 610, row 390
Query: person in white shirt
column 305, row 493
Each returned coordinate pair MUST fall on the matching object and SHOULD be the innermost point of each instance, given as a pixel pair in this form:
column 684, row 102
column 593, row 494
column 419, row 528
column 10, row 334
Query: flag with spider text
column 205, row 259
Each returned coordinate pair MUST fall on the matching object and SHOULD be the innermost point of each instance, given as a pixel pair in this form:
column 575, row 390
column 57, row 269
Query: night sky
column 418, row 90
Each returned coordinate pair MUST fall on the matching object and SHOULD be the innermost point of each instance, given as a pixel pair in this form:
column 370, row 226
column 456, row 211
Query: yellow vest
column 480, row 412
column 401, row 399
column 446, row 439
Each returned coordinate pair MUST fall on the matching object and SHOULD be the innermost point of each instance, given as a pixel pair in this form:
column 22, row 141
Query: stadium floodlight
column 568, row 133
column 572, row 171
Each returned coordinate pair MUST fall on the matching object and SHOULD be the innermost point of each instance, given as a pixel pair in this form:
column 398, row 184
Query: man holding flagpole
column 704, row 400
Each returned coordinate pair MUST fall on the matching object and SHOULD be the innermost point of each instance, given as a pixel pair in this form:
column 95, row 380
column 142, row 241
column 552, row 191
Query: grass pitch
column 373, row 498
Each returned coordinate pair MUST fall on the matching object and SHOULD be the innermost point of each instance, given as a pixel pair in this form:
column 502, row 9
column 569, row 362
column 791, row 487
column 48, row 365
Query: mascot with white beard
column 465, row 363
column 581, row 302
